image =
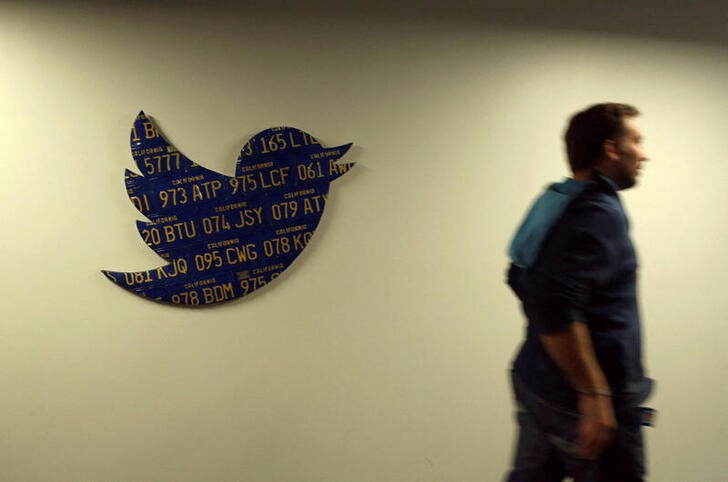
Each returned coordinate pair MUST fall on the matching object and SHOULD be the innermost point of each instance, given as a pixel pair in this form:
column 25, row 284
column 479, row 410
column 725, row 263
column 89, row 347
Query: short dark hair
column 589, row 129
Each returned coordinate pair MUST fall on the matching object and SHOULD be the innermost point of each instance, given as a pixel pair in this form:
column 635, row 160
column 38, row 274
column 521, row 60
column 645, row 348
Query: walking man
column 578, row 378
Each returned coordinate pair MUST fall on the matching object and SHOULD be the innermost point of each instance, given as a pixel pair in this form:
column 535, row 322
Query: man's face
column 625, row 155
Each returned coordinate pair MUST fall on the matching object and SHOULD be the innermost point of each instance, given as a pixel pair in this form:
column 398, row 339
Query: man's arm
column 573, row 352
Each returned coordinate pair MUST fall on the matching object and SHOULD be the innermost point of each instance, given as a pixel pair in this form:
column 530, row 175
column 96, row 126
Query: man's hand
column 597, row 425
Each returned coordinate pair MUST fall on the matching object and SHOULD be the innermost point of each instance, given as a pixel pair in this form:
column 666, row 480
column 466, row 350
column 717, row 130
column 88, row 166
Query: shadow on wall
column 702, row 20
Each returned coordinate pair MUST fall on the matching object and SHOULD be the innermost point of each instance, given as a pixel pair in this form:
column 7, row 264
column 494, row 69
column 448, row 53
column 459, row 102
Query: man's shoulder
column 596, row 205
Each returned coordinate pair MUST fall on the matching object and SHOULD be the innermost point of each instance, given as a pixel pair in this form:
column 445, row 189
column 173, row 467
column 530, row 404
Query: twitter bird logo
column 225, row 237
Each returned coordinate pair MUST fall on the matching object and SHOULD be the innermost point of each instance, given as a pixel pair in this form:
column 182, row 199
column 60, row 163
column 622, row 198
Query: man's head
column 604, row 139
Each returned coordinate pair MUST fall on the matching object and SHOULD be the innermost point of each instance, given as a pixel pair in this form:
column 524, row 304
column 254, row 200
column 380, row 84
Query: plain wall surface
column 382, row 354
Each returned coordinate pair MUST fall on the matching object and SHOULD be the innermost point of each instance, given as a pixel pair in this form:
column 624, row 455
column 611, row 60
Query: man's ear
column 611, row 150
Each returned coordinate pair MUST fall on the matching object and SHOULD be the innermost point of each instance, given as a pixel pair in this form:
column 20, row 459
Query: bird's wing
column 171, row 189
column 155, row 157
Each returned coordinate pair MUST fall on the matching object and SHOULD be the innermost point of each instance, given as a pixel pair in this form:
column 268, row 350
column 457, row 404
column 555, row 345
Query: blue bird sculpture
column 225, row 237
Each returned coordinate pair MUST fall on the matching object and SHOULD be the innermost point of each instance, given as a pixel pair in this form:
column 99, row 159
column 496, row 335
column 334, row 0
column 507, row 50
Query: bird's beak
column 343, row 167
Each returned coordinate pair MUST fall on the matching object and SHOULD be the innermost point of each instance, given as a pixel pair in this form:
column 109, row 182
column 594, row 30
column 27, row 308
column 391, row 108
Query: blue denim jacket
column 584, row 268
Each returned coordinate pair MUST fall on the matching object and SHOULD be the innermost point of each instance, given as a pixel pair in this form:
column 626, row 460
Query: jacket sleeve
column 578, row 257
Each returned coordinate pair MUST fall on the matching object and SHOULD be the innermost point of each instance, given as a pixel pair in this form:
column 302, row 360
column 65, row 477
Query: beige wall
column 382, row 354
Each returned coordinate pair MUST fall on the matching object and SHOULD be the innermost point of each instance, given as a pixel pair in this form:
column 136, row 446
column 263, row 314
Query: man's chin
column 627, row 183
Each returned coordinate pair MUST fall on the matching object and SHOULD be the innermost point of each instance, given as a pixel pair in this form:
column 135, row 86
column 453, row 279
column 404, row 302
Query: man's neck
column 591, row 174
column 585, row 175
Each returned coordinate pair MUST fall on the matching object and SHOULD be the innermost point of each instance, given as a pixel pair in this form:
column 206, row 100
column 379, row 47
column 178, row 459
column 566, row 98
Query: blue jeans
column 547, row 451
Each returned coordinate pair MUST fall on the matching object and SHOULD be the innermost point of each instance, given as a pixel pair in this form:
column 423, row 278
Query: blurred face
column 625, row 156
